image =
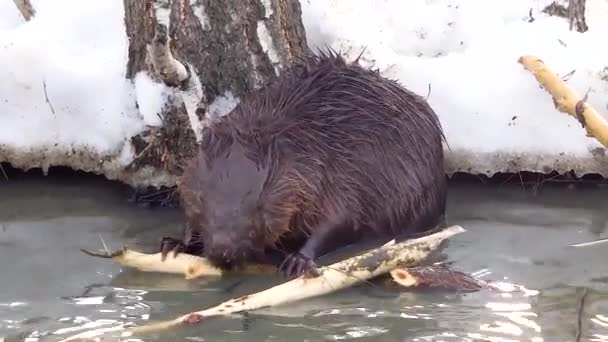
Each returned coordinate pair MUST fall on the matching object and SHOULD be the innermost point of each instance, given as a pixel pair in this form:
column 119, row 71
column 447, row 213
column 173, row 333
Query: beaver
column 328, row 155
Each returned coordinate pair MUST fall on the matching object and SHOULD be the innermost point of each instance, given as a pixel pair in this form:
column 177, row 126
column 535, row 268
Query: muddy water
column 49, row 290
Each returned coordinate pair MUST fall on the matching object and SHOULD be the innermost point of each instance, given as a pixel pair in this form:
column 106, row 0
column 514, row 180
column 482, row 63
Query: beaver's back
column 361, row 143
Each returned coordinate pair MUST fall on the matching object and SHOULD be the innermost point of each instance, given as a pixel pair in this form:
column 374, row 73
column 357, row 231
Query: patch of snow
column 151, row 98
column 495, row 116
column 596, row 12
column 10, row 15
column 201, row 14
column 64, row 98
column 222, row 105
column 268, row 8
column 82, row 70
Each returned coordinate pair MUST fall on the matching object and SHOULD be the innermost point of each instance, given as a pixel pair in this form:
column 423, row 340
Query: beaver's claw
column 297, row 264
column 169, row 244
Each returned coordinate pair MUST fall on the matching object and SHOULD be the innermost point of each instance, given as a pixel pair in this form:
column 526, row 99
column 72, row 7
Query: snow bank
column 64, row 93
column 495, row 116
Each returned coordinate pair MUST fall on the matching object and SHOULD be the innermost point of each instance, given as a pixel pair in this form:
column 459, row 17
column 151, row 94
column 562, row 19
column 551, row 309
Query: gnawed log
column 566, row 100
column 330, row 278
column 435, row 277
column 190, row 266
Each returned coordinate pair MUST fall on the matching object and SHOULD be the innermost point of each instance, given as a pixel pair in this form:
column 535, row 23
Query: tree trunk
column 231, row 48
column 576, row 15
column 211, row 54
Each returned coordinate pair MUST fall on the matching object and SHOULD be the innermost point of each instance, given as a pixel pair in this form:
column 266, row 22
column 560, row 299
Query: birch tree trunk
column 233, row 46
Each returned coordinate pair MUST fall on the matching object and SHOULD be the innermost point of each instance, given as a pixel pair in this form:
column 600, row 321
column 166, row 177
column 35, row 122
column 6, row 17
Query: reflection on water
column 518, row 242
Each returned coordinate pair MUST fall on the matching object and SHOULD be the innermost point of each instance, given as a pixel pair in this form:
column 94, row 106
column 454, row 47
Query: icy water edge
column 49, row 290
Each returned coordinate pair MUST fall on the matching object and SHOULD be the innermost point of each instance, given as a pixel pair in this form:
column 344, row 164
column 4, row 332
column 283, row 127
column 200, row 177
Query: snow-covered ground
column 63, row 91
column 495, row 116
column 465, row 52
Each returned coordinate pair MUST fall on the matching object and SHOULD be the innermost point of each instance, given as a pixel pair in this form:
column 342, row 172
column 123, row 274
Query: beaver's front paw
column 297, row 264
column 169, row 244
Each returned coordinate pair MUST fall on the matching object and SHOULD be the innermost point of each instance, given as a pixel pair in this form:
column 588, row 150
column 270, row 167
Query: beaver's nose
column 221, row 244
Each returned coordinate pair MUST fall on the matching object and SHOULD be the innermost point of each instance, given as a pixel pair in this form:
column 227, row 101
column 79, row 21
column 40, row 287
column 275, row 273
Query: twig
column 178, row 74
column 105, row 247
column 590, row 243
column 25, row 8
column 46, row 96
column 141, row 153
column 3, row 173
column 579, row 315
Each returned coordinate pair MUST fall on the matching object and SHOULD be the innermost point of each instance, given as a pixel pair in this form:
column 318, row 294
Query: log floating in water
column 331, row 278
column 566, row 100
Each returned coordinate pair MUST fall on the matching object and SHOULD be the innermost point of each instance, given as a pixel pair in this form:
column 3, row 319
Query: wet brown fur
column 329, row 140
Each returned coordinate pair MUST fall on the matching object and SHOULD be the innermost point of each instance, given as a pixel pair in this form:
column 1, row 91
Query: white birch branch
column 182, row 75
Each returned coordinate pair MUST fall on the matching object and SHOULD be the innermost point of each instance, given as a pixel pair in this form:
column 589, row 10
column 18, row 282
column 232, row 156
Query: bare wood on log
column 436, row 277
column 330, row 278
column 576, row 15
column 25, row 8
column 566, row 100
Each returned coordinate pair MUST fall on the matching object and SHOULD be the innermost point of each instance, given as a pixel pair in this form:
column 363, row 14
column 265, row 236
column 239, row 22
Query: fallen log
column 330, row 278
column 435, row 277
column 566, row 100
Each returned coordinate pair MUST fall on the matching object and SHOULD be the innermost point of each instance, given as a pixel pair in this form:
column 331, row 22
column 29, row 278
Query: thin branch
column 26, row 8
column 46, row 96
column 3, row 172
column 579, row 315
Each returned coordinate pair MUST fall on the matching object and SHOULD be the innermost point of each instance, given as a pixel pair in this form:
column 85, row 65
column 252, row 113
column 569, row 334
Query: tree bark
column 206, row 51
column 576, row 15
column 231, row 47
column 25, row 8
